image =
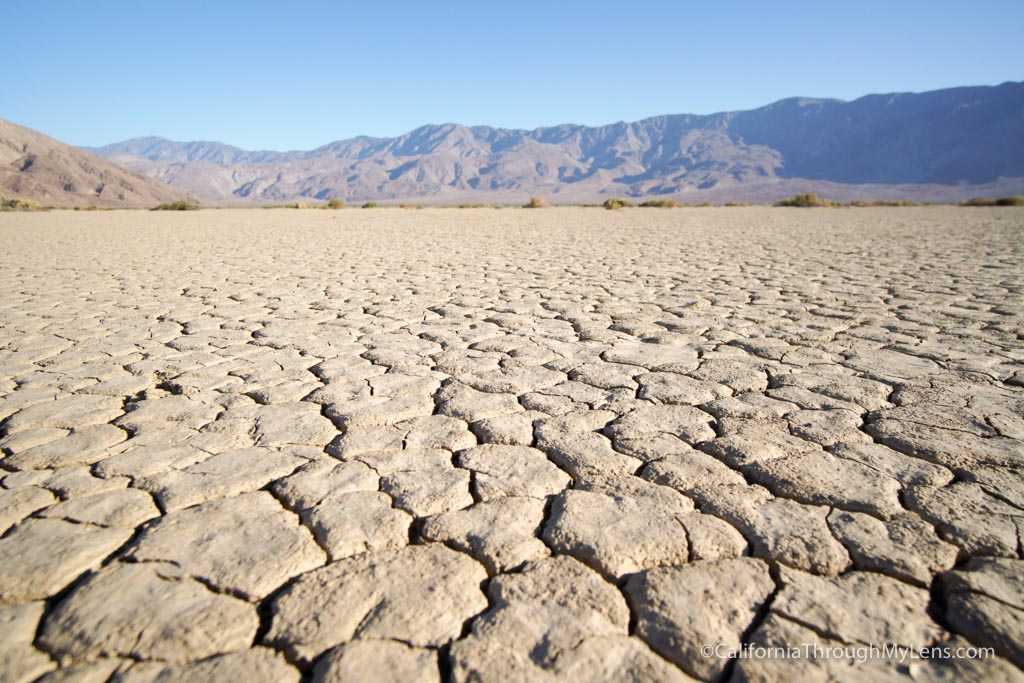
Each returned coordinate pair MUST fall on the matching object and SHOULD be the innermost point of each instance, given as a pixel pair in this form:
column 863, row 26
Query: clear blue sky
column 268, row 76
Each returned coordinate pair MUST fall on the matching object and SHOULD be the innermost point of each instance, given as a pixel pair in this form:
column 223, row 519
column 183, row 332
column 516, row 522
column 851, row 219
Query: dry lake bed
column 509, row 445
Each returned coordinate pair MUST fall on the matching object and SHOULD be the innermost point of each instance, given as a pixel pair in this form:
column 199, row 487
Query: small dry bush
column 660, row 203
column 536, row 203
column 1015, row 200
column 616, row 203
column 180, row 205
column 808, row 199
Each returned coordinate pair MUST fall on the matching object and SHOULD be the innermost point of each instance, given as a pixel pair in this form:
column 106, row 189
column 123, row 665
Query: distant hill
column 34, row 166
column 941, row 145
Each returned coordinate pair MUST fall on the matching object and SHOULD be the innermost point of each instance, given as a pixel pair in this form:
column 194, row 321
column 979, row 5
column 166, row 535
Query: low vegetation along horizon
column 17, row 204
column 806, row 200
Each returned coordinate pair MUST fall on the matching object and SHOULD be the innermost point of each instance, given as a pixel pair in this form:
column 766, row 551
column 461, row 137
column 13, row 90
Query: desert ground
column 511, row 445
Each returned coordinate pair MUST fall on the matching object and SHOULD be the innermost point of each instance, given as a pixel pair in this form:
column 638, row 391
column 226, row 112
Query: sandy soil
column 511, row 445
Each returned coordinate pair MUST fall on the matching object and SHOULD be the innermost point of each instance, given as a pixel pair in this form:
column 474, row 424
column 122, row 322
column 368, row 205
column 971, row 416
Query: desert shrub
column 736, row 204
column 882, row 202
column 536, row 203
column 180, row 205
column 616, row 203
column 410, row 206
column 16, row 204
column 1015, row 200
column 335, row 204
column 705, row 204
column 660, row 203
column 370, row 205
column 808, row 199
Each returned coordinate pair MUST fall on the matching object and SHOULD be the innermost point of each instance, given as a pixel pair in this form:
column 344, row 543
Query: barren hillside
column 35, row 166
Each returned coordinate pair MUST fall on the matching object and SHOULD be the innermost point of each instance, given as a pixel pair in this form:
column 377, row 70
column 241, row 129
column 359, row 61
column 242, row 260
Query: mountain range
column 944, row 144
column 941, row 145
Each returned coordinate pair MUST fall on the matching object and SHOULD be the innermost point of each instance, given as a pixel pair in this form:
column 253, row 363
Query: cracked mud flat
column 509, row 445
